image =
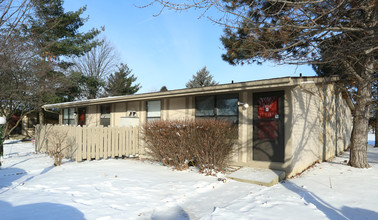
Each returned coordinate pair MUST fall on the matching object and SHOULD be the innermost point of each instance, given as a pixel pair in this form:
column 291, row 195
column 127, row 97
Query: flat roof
column 223, row 88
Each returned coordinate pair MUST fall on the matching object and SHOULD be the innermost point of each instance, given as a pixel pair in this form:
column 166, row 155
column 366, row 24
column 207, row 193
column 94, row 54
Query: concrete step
column 259, row 176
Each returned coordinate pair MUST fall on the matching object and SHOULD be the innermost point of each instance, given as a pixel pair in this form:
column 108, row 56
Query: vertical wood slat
column 113, row 141
column 97, row 145
column 136, row 140
column 89, row 143
column 105, row 141
column 138, row 144
column 127, row 142
column 109, row 133
column 130, row 141
column 125, row 137
column 78, row 143
column 116, row 141
column 124, row 142
column 92, row 142
column 84, row 147
column 121, row 142
column 101, row 140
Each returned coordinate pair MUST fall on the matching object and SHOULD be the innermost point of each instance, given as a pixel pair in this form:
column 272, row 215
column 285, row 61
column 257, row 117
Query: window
column 69, row 116
column 105, row 115
column 220, row 107
column 153, row 110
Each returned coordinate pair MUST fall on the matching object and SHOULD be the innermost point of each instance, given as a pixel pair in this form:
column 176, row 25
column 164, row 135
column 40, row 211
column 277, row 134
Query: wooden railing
column 88, row 143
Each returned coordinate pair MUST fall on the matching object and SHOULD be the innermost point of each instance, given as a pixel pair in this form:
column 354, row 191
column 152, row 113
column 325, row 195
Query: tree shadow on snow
column 39, row 211
column 330, row 211
column 9, row 175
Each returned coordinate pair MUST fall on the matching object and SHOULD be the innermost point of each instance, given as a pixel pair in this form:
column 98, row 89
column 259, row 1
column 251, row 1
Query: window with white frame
column 69, row 116
column 153, row 109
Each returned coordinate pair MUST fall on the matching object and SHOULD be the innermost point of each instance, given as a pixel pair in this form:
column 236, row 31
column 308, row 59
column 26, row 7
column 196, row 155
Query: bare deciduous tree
column 12, row 15
column 17, row 82
column 95, row 66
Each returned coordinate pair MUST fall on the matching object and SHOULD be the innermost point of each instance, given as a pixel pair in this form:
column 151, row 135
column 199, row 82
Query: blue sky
column 168, row 49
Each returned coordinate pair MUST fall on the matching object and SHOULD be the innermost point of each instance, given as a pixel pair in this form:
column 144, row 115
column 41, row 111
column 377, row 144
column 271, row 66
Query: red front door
column 81, row 119
column 268, row 132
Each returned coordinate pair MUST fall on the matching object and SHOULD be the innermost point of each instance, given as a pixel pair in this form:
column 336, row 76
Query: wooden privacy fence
column 88, row 143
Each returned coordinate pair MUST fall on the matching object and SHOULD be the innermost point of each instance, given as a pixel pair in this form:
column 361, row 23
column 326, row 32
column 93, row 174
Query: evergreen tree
column 120, row 82
column 55, row 35
column 201, row 79
column 163, row 89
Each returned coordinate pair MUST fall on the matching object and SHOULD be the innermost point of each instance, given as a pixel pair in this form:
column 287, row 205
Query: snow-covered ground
column 32, row 188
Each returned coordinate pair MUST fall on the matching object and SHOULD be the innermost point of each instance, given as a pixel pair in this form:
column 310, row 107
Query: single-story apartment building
column 283, row 123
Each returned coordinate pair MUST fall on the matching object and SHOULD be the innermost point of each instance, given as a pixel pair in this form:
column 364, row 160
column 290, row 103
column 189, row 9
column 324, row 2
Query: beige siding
column 176, row 108
column 93, row 115
column 243, row 128
column 190, row 107
column 322, row 125
column 118, row 112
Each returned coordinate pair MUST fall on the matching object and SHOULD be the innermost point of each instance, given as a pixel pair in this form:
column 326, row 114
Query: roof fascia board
column 225, row 88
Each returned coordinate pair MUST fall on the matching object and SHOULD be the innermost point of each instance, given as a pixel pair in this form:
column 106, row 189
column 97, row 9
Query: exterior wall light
column 2, row 120
column 244, row 105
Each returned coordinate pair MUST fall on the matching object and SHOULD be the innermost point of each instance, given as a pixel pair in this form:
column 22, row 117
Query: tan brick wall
column 306, row 129
column 322, row 125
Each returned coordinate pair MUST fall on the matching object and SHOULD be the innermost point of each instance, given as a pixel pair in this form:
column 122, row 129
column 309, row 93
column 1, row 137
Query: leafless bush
column 206, row 143
column 213, row 142
column 59, row 145
column 167, row 142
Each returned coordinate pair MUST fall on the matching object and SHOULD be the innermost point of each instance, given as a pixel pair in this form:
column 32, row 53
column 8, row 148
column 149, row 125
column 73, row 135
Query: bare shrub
column 59, row 144
column 167, row 142
column 207, row 143
column 213, row 142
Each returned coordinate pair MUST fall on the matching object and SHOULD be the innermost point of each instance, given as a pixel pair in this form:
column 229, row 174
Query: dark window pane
column 69, row 116
column 227, row 105
column 205, row 106
column 105, row 111
column 105, row 122
column 65, row 113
